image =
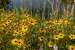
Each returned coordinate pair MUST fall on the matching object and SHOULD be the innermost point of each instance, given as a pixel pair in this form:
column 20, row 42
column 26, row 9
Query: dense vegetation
column 19, row 30
column 22, row 30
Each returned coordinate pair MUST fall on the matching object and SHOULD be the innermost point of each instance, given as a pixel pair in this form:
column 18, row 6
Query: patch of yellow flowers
column 22, row 30
column 50, row 44
column 18, row 42
column 26, row 27
column 58, row 36
column 71, row 47
column 72, row 36
column 57, row 22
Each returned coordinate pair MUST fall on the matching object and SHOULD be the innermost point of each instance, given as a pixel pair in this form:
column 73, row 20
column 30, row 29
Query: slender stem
column 44, row 6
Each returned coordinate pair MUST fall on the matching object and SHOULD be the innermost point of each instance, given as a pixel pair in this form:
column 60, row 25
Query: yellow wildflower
column 6, row 23
column 24, row 28
column 16, row 33
column 66, row 21
column 58, row 35
column 50, row 44
column 71, row 47
column 26, row 15
column 20, row 33
column 20, row 42
column 48, row 22
column 41, row 30
column 61, row 35
column 55, row 37
column 33, row 22
column 40, row 38
column 55, row 22
column 60, row 21
column 72, row 36
column 1, row 28
column 14, row 41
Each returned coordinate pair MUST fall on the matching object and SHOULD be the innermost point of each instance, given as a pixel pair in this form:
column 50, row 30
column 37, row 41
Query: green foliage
column 3, row 3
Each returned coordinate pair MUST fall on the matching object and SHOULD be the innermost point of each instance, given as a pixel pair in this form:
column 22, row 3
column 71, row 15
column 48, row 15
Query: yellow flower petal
column 14, row 41
column 50, row 44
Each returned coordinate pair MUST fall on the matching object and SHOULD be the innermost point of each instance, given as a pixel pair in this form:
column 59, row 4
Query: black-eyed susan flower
column 61, row 35
column 19, row 33
column 24, row 28
column 71, row 36
column 50, row 44
column 71, row 47
column 48, row 22
column 56, row 37
column 40, row 38
column 17, row 42
column 1, row 28
column 28, row 15
column 55, row 22
column 66, row 21
column 33, row 22
column 6, row 23
column 16, row 33
column 60, row 21
column 14, row 41
column 41, row 30
column 20, row 42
